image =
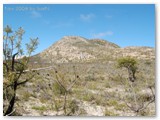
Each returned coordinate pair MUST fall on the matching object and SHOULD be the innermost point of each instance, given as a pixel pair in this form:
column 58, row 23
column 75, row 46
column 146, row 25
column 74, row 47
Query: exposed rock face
column 79, row 49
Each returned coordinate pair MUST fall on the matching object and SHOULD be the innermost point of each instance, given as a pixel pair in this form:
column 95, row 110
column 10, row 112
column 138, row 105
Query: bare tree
column 136, row 105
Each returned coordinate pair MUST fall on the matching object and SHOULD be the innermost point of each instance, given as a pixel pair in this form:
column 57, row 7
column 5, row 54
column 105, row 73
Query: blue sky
column 125, row 25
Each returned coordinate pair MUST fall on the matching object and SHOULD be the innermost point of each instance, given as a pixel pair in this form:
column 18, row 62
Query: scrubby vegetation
column 107, row 86
column 111, row 94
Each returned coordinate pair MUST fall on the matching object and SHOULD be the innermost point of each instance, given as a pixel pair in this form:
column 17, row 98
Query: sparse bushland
column 14, row 65
column 102, row 88
column 93, row 96
column 59, row 91
column 138, row 103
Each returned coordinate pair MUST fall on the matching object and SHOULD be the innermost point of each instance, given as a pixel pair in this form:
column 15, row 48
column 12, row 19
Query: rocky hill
column 78, row 49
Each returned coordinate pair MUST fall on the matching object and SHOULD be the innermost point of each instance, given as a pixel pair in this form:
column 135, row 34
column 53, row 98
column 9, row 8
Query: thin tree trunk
column 65, row 102
column 12, row 101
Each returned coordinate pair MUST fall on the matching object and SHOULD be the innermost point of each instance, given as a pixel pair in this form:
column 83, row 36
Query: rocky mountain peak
column 80, row 49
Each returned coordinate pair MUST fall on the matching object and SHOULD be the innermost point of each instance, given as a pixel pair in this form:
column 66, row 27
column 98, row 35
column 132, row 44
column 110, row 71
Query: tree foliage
column 127, row 62
column 130, row 64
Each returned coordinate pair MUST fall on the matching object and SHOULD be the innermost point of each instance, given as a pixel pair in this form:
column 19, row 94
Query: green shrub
column 148, row 62
column 41, row 108
column 89, row 97
column 58, row 89
column 100, row 100
column 109, row 113
column 120, row 107
column 26, row 96
column 112, row 102
column 73, row 106
column 107, row 85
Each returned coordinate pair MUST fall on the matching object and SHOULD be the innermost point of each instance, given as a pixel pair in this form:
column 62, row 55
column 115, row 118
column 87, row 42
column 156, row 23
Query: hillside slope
column 73, row 49
column 100, row 87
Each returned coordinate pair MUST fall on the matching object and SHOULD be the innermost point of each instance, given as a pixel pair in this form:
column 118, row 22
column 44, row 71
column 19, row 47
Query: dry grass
column 100, row 84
